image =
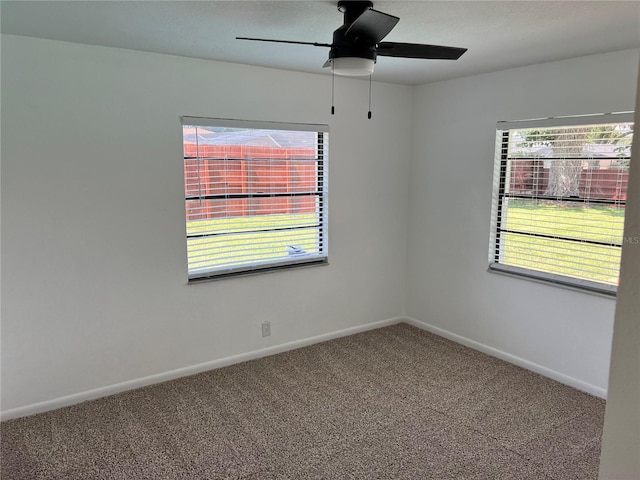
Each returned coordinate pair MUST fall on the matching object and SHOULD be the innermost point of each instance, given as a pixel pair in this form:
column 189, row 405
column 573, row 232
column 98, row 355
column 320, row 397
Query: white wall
column 621, row 437
column 93, row 254
column 93, row 250
column 563, row 333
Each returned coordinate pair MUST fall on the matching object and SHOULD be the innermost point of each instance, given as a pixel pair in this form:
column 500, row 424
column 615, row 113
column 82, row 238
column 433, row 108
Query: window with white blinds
column 559, row 195
column 255, row 196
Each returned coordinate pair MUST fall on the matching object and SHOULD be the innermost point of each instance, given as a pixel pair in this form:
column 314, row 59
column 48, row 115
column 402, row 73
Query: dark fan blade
column 417, row 50
column 315, row 44
column 371, row 26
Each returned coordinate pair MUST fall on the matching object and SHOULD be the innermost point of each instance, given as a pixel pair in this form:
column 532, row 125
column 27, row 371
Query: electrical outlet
column 266, row 329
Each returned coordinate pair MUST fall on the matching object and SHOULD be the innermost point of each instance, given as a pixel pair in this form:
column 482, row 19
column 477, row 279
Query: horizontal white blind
column 559, row 199
column 255, row 198
column 580, row 120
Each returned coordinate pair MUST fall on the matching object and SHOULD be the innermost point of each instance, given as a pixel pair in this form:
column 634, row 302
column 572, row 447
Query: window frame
column 500, row 193
column 320, row 192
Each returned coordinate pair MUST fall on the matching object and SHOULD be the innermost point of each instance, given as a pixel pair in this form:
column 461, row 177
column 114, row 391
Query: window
column 255, row 196
column 559, row 194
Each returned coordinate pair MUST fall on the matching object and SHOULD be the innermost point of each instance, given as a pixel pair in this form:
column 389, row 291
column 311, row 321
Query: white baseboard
column 521, row 362
column 76, row 398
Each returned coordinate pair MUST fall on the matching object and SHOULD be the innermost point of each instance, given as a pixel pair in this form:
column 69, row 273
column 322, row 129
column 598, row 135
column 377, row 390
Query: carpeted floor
column 392, row 403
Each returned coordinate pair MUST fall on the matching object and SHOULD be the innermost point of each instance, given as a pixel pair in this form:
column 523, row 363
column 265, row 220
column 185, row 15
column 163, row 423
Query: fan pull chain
column 333, row 77
column 369, row 114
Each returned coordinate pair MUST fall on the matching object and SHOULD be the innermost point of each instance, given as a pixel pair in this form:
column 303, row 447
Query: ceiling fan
column 358, row 42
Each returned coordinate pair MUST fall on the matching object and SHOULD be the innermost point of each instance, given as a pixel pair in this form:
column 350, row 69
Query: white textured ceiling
column 498, row 34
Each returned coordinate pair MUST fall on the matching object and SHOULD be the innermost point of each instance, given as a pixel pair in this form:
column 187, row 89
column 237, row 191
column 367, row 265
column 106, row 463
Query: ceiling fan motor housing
column 343, row 46
column 348, row 48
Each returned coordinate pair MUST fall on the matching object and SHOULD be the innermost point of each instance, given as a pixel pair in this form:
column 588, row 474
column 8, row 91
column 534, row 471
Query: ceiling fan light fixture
column 352, row 66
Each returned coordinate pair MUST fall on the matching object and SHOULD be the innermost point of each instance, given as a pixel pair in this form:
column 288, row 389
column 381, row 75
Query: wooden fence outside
column 234, row 173
column 531, row 177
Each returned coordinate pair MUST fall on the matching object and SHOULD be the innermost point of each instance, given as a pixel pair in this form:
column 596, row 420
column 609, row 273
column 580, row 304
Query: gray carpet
column 392, row 403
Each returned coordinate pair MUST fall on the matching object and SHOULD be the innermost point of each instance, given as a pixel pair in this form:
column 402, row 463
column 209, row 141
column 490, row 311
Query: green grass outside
column 597, row 223
column 250, row 234
column 597, row 263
